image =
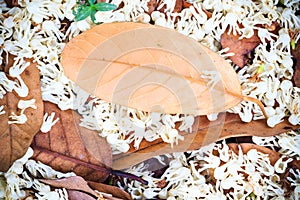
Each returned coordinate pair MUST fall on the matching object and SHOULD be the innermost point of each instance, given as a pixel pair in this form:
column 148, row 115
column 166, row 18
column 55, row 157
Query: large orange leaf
column 204, row 132
column 151, row 68
column 16, row 138
column 70, row 147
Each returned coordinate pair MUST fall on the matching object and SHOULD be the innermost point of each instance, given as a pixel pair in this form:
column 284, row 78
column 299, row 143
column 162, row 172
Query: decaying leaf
column 16, row 138
column 245, row 147
column 240, row 47
column 78, row 188
column 108, row 189
column 71, row 183
column 77, row 195
column 141, row 66
column 204, row 132
column 70, row 147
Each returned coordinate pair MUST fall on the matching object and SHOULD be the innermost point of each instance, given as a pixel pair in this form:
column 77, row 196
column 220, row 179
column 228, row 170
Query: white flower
column 83, row 25
column 6, row 85
column 17, row 119
column 289, row 19
column 9, row 22
column 294, row 119
column 52, row 29
column 48, row 122
column 186, row 124
column 21, row 88
column 40, row 10
column 169, row 135
column 281, row 166
column 276, row 118
column 24, row 104
column 119, row 145
column 22, row 118
column 295, row 181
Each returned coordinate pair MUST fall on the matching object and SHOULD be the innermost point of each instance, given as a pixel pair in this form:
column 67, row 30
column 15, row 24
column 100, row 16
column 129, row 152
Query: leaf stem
column 128, row 176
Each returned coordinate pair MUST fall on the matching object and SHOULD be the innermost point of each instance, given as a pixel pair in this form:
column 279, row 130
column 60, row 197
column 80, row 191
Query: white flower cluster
column 216, row 172
column 23, row 176
column 287, row 143
column 36, row 30
column 122, row 126
column 7, row 85
column 39, row 35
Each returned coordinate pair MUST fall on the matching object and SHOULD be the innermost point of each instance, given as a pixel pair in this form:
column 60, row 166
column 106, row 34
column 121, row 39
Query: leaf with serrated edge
column 70, row 147
column 16, row 138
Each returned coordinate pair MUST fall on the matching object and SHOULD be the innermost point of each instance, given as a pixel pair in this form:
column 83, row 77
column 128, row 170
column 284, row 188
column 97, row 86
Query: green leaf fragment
column 261, row 68
column 83, row 13
column 93, row 12
column 102, row 6
column 89, row 8
column 293, row 44
column 91, row 2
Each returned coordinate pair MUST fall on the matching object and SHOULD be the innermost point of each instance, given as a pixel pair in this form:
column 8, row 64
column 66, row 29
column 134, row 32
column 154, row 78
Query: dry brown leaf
column 70, row 147
column 77, row 195
column 240, row 47
column 204, row 132
column 245, row 147
column 141, row 66
column 81, row 189
column 115, row 191
column 16, row 138
column 70, row 183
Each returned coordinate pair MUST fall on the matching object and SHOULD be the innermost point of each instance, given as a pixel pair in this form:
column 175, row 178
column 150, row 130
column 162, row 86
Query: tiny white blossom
column 17, row 119
column 48, row 122
column 24, row 104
